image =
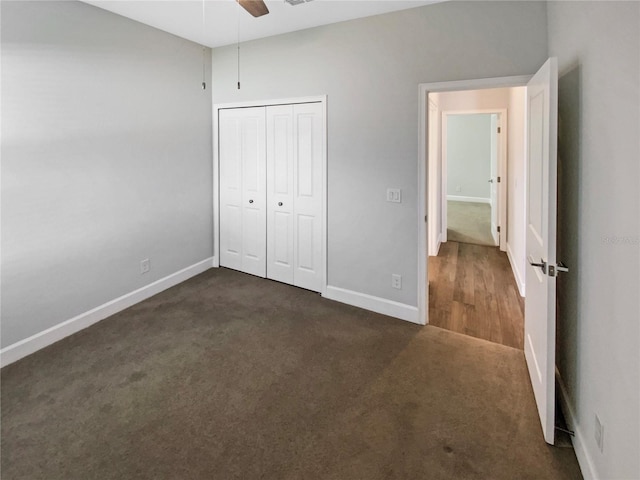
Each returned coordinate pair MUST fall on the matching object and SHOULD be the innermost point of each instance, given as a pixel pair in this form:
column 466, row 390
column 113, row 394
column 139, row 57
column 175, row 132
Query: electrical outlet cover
column 144, row 265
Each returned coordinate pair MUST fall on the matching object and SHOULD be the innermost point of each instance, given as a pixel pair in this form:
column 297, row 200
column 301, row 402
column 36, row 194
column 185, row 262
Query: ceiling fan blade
column 257, row 8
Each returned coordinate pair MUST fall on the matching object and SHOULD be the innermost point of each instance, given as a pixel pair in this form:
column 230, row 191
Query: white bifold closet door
column 271, row 199
column 294, row 194
column 242, row 190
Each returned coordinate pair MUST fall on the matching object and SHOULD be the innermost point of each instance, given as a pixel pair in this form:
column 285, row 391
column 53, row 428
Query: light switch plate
column 394, row 195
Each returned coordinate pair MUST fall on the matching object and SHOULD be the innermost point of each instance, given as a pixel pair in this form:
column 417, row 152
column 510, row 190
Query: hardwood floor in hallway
column 472, row 291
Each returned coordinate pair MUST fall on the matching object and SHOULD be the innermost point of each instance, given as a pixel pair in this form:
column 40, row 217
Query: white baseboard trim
column 516, row 272
column 438, row 244
column 51, row 335
column 456, row 198
column 578, row 440
column 374, row 304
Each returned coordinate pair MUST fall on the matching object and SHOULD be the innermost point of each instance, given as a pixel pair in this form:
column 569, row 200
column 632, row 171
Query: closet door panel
column 280, row 164
column 254, row 216
column 308, row 198
column 242, row 190
column 230, row 190
column 306, row 242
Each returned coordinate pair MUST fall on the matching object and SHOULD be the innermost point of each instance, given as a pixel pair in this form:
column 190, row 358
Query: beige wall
column 516, row 185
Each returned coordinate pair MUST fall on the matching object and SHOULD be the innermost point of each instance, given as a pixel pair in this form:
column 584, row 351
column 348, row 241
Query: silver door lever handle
column 542, row 264
column 555, row 270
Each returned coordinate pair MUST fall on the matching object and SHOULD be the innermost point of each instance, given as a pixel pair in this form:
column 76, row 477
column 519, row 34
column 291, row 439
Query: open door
column 540, row 304
column 494, row 179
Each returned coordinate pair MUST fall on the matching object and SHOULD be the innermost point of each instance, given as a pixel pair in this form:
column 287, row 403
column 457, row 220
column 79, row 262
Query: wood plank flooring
column 472, row 291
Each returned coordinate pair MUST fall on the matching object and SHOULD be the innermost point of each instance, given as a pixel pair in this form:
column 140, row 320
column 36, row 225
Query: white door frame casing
column 434, row 178
column 322, row 99
column 502, row 171
column 423, row 161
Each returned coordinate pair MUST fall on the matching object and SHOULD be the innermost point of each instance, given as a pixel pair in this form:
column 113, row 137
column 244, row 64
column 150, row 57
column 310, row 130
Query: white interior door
column 242, row 160
column 308, row 138
column 494, row 179
column 540, row 304
column 280, row 176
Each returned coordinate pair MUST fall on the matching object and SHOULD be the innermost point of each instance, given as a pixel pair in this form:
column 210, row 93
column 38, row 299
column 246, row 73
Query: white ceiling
column 222, row 18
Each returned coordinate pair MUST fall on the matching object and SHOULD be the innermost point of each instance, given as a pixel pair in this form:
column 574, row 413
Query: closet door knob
column 279, row 204
column 250, row 201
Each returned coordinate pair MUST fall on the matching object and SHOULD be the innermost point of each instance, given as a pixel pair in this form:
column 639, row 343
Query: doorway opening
column 538, row 193
column 476, row 248
column 472, row 155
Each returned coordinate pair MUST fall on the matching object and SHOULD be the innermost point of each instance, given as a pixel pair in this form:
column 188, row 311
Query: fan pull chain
column 204, row 60
column 238, row 45
column 204, row 51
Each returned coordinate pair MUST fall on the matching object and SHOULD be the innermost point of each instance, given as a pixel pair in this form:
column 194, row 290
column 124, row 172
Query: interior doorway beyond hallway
column 473, row 151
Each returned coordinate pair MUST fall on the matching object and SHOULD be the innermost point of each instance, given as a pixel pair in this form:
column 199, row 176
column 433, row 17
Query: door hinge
column 499, row 180
column 499, row 130
column 498, row 228
column 566, row 430
column 425, row 218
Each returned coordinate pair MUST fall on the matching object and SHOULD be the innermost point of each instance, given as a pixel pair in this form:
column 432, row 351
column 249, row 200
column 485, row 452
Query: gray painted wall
column 370, row 69
column 469, row 155
column 598, row 50
column 106, row 160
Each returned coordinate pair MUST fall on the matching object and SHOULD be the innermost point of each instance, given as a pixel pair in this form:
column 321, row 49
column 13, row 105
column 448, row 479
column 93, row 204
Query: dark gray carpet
column 231, row 376
column 469, row 222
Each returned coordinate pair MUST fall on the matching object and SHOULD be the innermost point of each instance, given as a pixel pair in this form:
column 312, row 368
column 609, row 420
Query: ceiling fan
column 257, row 8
